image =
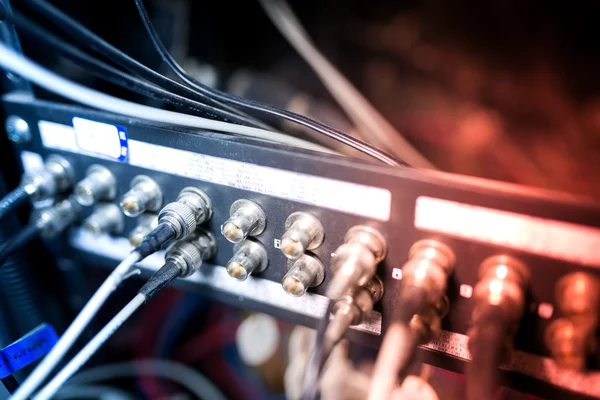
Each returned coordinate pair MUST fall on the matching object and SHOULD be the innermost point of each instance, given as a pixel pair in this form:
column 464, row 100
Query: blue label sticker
column 31, row 347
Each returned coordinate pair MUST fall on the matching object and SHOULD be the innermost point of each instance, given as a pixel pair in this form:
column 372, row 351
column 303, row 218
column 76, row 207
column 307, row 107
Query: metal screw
column 17, row 130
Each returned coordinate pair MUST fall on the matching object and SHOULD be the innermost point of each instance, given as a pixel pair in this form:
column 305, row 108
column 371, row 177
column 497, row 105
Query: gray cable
column 101, row 392
column 90, row 349
column 187, row 377
column 367, row 119
column 68, row 338
column 54, row 83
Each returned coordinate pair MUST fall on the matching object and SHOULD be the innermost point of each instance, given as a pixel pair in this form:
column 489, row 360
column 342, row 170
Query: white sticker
column 100, row 138
column 351, row 198
column 545, row 237
column 87, row 137
column 58, row 136
column 256, row 289
column 541, row 368
column 31, row 161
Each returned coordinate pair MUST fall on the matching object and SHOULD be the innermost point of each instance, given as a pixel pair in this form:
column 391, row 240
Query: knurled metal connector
column 198, row 201
column 180, row 217
column 353, row 308
column 99, row 184
column 39, row 185
column 189, row 254
column 54, row 220
column 429, row 265
column 356, row 260
column 428, row 322
column 501, row 289
column 56, row 176
column 192, row 208
column 503, row 282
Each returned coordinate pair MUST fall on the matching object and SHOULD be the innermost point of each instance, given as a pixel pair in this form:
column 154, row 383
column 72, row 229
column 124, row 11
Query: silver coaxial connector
column 54, row 220
column 144, row 195
column 502, row 285
column 356, row 260
column 353, row 308
column 246, row 219
column 98, row 185
column 304, row 272
column 303, row 232
column 61, row 171
column 192, row 208
column 502, row 282
column 106, row 218
column 146, row 223
column 190, row 253
column 56, row 177
column 249, row 257
column 429, row 265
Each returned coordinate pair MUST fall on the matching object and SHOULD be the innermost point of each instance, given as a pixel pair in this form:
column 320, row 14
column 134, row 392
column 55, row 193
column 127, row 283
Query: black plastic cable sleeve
column 486, row 347
column 82, row 35
column 18, row 241
column 12, row 201
column 105, row 71
column 160, row 279
column 155, row 240
column 256, row 106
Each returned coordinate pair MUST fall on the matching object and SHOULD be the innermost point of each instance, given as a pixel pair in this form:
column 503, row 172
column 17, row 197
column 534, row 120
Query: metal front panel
column 404, row 185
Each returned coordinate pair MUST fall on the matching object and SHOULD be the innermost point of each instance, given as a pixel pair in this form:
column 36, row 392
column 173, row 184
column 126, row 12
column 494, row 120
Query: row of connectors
column 247, row 220
column 99, row 188
column 303, row 232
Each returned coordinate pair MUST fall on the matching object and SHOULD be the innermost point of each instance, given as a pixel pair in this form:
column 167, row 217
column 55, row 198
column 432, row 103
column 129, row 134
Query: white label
column 256, row 289
column 58, row 136
column 541, row 368
column 337, row 195
column 351, row 198
column 545, row 237
column 31, row 161
column 100, row 138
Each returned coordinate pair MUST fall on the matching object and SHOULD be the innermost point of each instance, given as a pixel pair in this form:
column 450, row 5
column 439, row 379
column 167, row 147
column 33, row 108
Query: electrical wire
column 367, row 119
column 158, row 281
column 52, row 82
column 21, row 239
column 93, row 345
column 107, row 72
column 318, row 358
column 487, row 348
column 399, row 344
column 79, row 392
column 13, row 200
column 256, row 106
column 393, row 359
column 79, row 33
column 187, row 377
column 74, row 330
